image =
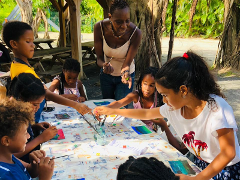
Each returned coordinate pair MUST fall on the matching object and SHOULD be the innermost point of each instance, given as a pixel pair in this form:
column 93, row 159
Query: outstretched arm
column 143, row 114
column 227, row 146
column 81, row 108
column 133, row 96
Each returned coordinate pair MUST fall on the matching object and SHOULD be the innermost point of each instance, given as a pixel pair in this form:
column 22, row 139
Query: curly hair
column 26, row 87
column 13, row 114
column 13, row 30
column 191, row 72
column 118, row 4
column 144, row 169
column 71, row 65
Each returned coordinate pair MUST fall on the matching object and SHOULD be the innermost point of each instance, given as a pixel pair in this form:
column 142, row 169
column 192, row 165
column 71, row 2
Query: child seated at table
column 14, row 119
column 144, row 168
column 195, row 107
column 19, row 37
column 145, row 97
column 26, row 87
column 67, row 84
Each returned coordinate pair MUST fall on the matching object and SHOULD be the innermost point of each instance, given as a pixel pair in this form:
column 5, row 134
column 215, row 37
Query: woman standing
column 116, row 41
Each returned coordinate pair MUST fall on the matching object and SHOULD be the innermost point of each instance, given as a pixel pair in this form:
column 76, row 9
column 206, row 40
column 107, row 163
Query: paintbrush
column 104, row 119
column 61, row 156
column 89, row 124
column 94, row 117
column 114, row 119
column 108, row 61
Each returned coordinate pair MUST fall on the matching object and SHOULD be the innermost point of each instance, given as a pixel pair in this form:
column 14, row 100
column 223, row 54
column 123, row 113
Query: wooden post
column 62, row 42
column 75, row 29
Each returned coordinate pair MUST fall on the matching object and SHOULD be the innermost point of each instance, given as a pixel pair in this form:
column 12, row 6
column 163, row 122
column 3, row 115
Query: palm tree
column 189, row 140
column 200, row 145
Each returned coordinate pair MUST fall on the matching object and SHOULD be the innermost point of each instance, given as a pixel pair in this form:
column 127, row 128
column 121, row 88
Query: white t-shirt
column 199, row 134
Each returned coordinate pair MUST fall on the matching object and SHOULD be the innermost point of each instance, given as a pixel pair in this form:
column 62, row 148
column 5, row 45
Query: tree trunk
column 229, row 45
column 147, row 15
column 192, row 13
column 174, row 10
column 26, row 10
column 36, row 22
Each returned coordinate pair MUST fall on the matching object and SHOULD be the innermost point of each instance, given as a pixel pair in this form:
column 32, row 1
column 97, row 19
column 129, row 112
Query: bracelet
column 124, row 72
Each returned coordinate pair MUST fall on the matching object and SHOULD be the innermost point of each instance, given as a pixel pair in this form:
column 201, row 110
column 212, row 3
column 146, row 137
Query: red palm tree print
column 189, row 140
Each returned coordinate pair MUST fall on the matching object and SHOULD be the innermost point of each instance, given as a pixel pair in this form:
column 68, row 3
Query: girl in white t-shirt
column 201, row 117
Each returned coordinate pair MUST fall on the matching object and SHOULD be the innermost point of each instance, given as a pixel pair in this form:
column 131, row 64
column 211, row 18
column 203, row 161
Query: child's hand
column 161, row 122
column 81, row 99
column 42, row 125
column 35, row 157
column 102, row 110
column 45, row 168
column 49, row 133
column 107, row 68
column 73, row 97
column 82, row 108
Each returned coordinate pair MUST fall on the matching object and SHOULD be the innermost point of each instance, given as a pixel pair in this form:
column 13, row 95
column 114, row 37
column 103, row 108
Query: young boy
column 19, row 37
column 14, row 119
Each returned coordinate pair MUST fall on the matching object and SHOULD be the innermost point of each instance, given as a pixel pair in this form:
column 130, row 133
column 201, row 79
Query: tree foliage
column 6, row 6
column 207, row 21
column 91, row 13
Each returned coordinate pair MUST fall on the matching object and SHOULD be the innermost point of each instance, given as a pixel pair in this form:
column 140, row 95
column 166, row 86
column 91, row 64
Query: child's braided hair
column 145, row 169
column 71, row 65
column 26, row 87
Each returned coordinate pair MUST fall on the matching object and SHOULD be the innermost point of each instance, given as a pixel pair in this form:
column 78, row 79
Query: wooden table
column 38, row 41
column 89, row 49
column 80, row 156
column 55, row 54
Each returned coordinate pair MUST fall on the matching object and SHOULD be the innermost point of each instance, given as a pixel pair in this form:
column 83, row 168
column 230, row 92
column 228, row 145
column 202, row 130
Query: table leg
column 49, row 44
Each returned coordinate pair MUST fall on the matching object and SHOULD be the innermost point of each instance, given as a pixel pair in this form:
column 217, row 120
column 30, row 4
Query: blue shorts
column 228, row 173
column 112, row 86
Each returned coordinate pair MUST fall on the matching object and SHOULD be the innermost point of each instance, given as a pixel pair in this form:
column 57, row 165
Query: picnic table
column 39, row 41
column 79, row 156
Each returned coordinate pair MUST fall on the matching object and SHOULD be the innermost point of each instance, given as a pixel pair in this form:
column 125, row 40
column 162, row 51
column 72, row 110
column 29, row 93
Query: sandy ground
column 204, row 47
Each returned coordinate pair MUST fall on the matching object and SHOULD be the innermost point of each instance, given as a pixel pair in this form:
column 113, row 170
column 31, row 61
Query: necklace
column 114, row 33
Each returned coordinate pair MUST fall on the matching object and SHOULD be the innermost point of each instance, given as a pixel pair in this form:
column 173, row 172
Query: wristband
column 124, row 72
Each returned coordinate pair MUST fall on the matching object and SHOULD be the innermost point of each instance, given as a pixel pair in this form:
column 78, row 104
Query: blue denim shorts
column 112, row 86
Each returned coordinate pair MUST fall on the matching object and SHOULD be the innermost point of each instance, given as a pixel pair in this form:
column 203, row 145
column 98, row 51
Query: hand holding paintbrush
column 107, row 67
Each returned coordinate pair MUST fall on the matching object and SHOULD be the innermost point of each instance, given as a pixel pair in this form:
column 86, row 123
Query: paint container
column 100, row 135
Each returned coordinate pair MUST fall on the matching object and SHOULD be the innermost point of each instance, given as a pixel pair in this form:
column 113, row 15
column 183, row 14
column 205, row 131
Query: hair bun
column 185, row 55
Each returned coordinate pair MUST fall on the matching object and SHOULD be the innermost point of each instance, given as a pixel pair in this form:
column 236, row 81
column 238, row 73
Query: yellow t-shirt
column 18, row 68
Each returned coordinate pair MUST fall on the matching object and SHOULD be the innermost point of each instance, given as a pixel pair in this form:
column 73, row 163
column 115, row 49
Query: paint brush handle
column 60, row 156
column 104, row 120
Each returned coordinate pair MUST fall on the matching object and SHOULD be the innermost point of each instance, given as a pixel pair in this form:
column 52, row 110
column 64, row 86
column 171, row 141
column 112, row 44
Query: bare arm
column 133, row 96
column 98, row 44
column 227, row 153
column 133, row 48
column 81, row 108
column 143, row 114
column 54, row 85
column 30, row 146
column 47, row 134
column 81, row 91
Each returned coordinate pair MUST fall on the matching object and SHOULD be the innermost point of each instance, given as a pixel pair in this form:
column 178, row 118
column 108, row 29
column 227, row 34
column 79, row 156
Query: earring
column 184, row 96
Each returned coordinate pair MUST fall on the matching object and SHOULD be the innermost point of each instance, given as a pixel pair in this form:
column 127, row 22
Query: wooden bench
column 39, row 41
column 56, row 54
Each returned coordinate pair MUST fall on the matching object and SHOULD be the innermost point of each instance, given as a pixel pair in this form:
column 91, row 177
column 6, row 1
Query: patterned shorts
column 228, row 173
